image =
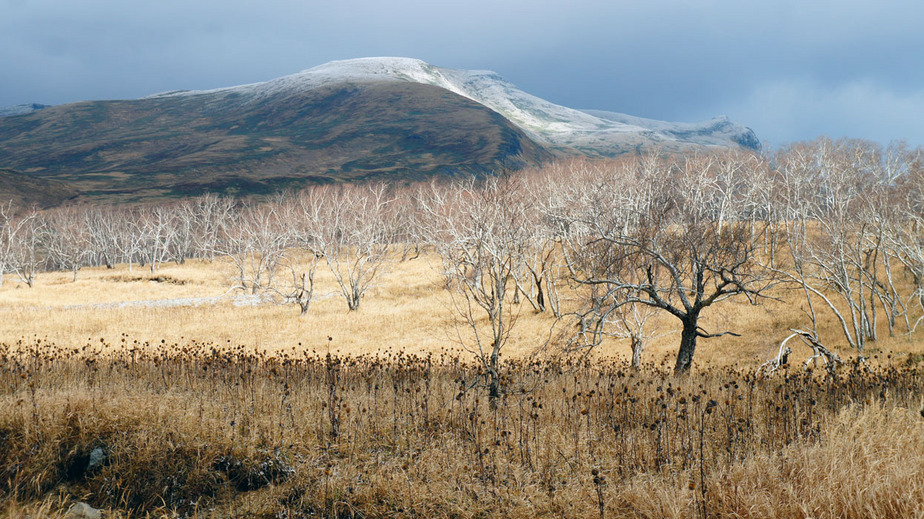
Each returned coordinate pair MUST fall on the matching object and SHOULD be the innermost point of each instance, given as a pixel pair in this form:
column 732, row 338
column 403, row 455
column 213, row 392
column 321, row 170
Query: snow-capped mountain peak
column 560, row 127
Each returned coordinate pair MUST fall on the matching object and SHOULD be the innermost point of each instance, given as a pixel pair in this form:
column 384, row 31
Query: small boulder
column 97, row 459
column 83, row 511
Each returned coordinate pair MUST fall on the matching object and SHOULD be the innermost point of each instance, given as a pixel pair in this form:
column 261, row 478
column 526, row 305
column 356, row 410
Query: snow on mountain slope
column 567, row 129
column 6, row 111
column 717, row 131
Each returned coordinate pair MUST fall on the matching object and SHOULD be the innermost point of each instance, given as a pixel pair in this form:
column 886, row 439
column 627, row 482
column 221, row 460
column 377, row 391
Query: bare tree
column 403, row 217
column 610, row 311
column 129, row 235
column 27, row 249
column 182, row 246
column 536, row 272
column 304, row 218
column 538, row 257
column 66, row 238
column 477, row 228
column 906, row 236
column 211, row 215
column 354, row 241
column 837, row 196
column 255, row 241
column 157, row 226
column 17, row 232
column 667, row 241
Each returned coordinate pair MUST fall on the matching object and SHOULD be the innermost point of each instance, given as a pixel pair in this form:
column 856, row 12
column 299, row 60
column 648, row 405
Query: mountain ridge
column 593, row 132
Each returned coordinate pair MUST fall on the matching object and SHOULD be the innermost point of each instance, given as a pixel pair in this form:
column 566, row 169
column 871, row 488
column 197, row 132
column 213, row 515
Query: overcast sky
column 789, row 69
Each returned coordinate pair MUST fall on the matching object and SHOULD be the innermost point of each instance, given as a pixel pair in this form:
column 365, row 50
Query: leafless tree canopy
column 674, row 234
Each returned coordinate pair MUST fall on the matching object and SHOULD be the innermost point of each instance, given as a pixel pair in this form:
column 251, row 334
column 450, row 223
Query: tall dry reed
column 203, row 429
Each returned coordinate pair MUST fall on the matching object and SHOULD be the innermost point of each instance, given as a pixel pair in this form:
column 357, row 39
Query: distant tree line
column 840, row 224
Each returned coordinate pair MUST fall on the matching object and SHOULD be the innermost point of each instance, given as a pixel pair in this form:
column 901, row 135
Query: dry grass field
column 407, row 310
column 221, row 410
column 404, row 312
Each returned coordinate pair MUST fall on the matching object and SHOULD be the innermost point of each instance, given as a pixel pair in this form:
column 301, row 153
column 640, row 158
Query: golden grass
column 228, row 411
column 403, row 312
column 870, row 465
column 407, row 310
column 194, row 432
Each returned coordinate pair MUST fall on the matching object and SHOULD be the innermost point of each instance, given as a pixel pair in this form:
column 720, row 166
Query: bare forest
column 833, row 225
column 626, row 251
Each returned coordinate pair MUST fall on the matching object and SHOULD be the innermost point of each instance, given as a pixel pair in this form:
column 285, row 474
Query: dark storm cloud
column 790, row 70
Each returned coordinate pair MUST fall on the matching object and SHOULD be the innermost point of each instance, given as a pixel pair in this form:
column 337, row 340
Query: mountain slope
column 388, row 118
column 28, row 191
column 239, row 142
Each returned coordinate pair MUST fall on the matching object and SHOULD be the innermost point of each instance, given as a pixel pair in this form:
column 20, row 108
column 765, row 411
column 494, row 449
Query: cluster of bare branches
column 837, row 222
column 603, row 246
column 19, row 231
column 852, row 216
column 348, row 226
column 653, row 234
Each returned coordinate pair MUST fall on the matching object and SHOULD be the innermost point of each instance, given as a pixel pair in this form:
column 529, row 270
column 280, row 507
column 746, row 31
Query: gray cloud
column 862, row 109
column 791, row 70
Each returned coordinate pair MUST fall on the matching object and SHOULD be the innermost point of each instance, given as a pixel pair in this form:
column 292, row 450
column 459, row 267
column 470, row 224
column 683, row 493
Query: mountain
column 566, row 130
column 388, row 118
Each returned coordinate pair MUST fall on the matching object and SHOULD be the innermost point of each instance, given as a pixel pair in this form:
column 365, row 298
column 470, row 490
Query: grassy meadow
column 240, row 410
column 408, row 310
